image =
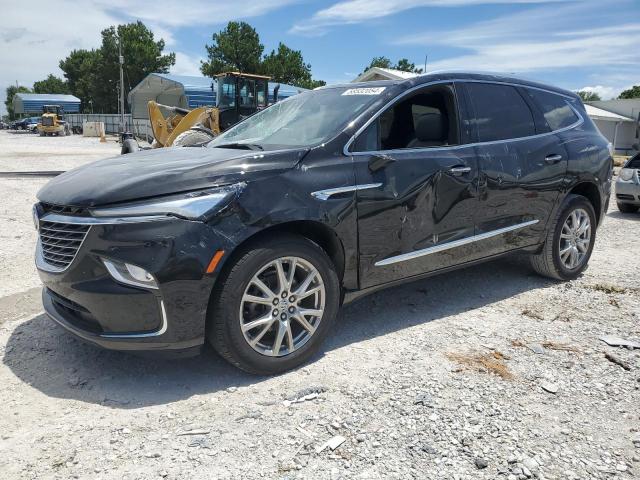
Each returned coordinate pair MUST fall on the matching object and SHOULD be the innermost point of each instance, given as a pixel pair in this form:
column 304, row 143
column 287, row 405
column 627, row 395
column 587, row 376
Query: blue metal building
column 184, row 91
column 33, row 102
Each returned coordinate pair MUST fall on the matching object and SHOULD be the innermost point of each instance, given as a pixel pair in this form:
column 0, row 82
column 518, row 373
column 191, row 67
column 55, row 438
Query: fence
column 141, row 128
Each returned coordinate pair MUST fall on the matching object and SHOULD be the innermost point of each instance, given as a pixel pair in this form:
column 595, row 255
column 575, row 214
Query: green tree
column 406, row 66
column 51, row 84
column 11, row 92
column 287, row 66
column 80, row 70
column 403, row 64
column 93, row 75
column 380, row 62
column 633, row 92
column 588, row 96
column 236, row 48
column 142, row 55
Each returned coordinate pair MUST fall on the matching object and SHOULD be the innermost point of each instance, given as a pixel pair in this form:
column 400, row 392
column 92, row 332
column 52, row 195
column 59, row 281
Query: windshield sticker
column 364, row 91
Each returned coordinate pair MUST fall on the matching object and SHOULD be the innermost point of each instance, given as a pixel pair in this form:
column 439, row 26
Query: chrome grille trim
column 58, row 243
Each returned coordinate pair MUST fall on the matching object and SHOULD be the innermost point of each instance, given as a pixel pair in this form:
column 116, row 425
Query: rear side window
column 557, row 113
column 500, row 112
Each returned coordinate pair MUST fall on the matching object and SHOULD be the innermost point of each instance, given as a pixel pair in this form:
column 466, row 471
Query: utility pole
column 425, row 64
column 121, row 62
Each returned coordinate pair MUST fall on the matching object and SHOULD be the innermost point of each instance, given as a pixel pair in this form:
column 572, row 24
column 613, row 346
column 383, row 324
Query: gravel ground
column 25, row 151
column 487, row 372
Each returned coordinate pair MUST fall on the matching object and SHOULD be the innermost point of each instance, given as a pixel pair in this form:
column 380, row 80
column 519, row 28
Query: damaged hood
column 162, row 171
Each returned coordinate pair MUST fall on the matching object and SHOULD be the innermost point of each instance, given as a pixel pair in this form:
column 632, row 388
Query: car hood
column 162, row 171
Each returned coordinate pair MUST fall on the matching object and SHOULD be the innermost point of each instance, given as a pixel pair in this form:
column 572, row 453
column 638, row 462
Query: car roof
column 455, row 75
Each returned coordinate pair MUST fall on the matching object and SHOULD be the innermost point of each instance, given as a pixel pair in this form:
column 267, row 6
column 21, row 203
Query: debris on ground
column 564, row 347
column 193, row 432
column 614, row 341
column 309, row 393
column 549, row 387
column 617, row 360
column 536, row 348
column 332, row 443
column 608, row 288
column 527, row 312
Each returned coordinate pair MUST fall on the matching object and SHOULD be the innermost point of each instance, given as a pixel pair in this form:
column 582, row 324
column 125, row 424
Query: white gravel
column 25, row 151
column 392, row 380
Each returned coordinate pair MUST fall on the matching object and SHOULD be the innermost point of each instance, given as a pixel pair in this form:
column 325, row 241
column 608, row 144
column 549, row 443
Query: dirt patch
column 27, row 303
column 483, row 362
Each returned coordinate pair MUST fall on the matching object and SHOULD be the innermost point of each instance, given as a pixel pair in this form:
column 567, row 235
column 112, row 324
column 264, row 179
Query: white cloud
column 605, row 93
column 357, row 11
column 516, row 43
column 187, row 64
column 35, row 37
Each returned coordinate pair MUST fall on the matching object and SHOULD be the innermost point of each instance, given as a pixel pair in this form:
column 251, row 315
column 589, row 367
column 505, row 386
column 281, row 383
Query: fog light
column 130, row 274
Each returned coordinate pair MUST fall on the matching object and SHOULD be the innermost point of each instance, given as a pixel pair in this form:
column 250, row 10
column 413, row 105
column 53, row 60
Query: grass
column 493, row 363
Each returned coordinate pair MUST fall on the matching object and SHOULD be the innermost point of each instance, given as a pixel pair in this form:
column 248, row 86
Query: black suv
column 253, row 241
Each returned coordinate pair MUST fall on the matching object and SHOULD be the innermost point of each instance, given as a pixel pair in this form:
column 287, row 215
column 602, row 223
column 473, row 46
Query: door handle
column 379, row 161
column 554, row 158
column 459, row 171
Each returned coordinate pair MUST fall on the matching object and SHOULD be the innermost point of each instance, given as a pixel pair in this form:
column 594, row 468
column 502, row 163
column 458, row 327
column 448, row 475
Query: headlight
column 626, row 174
column 192, row 205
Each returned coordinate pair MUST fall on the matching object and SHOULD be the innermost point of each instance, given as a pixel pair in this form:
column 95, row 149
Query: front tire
column 193, row 138
column 272, row 308
column 569, row 242
column 627, row 208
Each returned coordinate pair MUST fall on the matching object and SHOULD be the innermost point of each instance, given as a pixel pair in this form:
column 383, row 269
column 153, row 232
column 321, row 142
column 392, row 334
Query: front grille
column 47, row 121
column 64, row 210
column 60, row 241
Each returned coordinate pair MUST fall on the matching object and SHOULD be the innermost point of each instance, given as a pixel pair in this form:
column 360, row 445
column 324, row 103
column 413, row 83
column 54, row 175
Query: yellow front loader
column 51, row 122
column 239, row 96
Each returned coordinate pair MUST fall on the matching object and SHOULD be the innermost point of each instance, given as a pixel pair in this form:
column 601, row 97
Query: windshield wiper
column 245, row 146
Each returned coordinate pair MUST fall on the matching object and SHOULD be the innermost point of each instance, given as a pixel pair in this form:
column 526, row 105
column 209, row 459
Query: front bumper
column 628, row 191
column 86, row 300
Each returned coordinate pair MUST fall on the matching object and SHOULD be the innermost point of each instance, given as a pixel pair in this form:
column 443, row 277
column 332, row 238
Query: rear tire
column 567, row 257
column 627, row 208
column 234, row 306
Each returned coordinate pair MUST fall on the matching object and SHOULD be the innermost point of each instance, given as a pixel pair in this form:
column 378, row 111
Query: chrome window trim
column 325, row 194
column 448, row 245
column 156, row 333
column 346, row 152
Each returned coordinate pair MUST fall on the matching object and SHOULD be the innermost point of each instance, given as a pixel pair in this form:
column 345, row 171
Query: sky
column 575, row 44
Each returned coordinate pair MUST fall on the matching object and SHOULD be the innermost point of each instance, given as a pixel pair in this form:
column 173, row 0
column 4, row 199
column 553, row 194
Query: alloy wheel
column 282, row 306
column 575, row 239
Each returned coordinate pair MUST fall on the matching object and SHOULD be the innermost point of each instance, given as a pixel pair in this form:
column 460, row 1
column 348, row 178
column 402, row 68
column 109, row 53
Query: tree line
column 93, row 75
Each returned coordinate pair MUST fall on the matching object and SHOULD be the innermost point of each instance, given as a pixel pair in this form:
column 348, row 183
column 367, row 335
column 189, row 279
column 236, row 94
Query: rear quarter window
column 557, row 112
column 500, row 112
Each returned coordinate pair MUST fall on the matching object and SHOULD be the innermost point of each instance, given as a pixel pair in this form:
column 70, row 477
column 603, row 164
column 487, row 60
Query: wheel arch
column 591, row 192
column 319, row 233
